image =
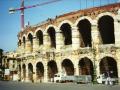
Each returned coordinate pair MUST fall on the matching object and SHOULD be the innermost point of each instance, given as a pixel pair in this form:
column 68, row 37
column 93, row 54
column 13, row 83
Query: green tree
column 1, row 54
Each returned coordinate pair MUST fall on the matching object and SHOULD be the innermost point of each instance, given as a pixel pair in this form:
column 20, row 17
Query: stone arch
column 30, row 32
column 108, row 67
column 104, row 14
column 86, row 67
column 65, row 21
column 49, row 26
column 24, row 36
column 24, row 71
column 52, row 34
column 66, row 30
column 105, row 26
column 39, row 36
column 83, row 18
column 67, row 67
column 40, row 71
column 52, row 69
column 84, row 28
column 30, row 71
column 38, row 30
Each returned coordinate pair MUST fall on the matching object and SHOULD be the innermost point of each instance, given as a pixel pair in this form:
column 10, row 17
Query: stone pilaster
column 117, row 32
column 22, row 47
column 76, row 68
column 22, row 71
column 59, row 40
column 118, row 68
column 27, row 77
column 28, row 46
column 46, row 40
column 59, row 67
column 97, row 68
column 35, row 44
column 45, row 72
column 95, row 34
column 34, row 73
column 75, row 38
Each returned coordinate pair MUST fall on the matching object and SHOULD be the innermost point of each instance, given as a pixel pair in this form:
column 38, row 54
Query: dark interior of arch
column 24, row 67
column 86, row 66
column 30, row 38
column 24, row 71
column 19, row 68
column 108, row 65
column 24, row 41
column 51, row 32
column 39, row 36
column 84, row 28
column 40, row 69
column 52, row 68
column 68, row 66
column 67, row 33
column 19, row 43
column 106, row 29
column 30, row 71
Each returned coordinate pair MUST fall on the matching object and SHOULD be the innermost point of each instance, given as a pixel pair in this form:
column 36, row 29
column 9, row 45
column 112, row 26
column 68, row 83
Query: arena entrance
column 39, row 72
column 67, row 33
column 52, row 70
column 39, row 36
column 86, row 67
column 24, row 72
column 108, row 67
column 30, row 72
column 68, row 67
column 51, row 33
column 106, row 25
column 84, row 27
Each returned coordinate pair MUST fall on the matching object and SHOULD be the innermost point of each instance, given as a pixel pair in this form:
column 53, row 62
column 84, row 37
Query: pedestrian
column 107, row 81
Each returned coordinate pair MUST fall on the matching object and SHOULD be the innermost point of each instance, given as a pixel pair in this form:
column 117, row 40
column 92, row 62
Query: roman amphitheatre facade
column 84, row 42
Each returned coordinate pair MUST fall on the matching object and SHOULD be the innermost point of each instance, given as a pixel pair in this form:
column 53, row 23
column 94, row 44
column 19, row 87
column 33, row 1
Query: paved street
column 49, row 86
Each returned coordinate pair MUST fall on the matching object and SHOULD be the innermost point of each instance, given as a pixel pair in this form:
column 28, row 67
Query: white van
column 59, row 77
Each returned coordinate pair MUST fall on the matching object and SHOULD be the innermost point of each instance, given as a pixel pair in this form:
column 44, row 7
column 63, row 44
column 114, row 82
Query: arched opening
column 39, row 36
column 86, row 67
column 84, row 27
column 40, row 71
column 108, row 67
column 24, row 41
column 106, row 29
column 68, row 67
column 30, row 72
column 52, row 69
column 30, row 38
column 24, row 71
column 51, row 32
column 67, row 33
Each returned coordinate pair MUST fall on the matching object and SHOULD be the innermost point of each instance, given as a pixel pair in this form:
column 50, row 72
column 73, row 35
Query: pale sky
column 10, row 23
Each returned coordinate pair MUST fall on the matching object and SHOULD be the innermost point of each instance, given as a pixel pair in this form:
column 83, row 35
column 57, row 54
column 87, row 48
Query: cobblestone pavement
column 9, row 85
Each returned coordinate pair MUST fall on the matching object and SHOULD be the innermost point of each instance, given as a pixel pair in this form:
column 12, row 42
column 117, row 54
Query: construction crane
column 22, row 8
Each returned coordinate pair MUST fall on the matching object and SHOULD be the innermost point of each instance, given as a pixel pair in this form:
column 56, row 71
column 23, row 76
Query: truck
column 63, row 78
column 101, row 79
